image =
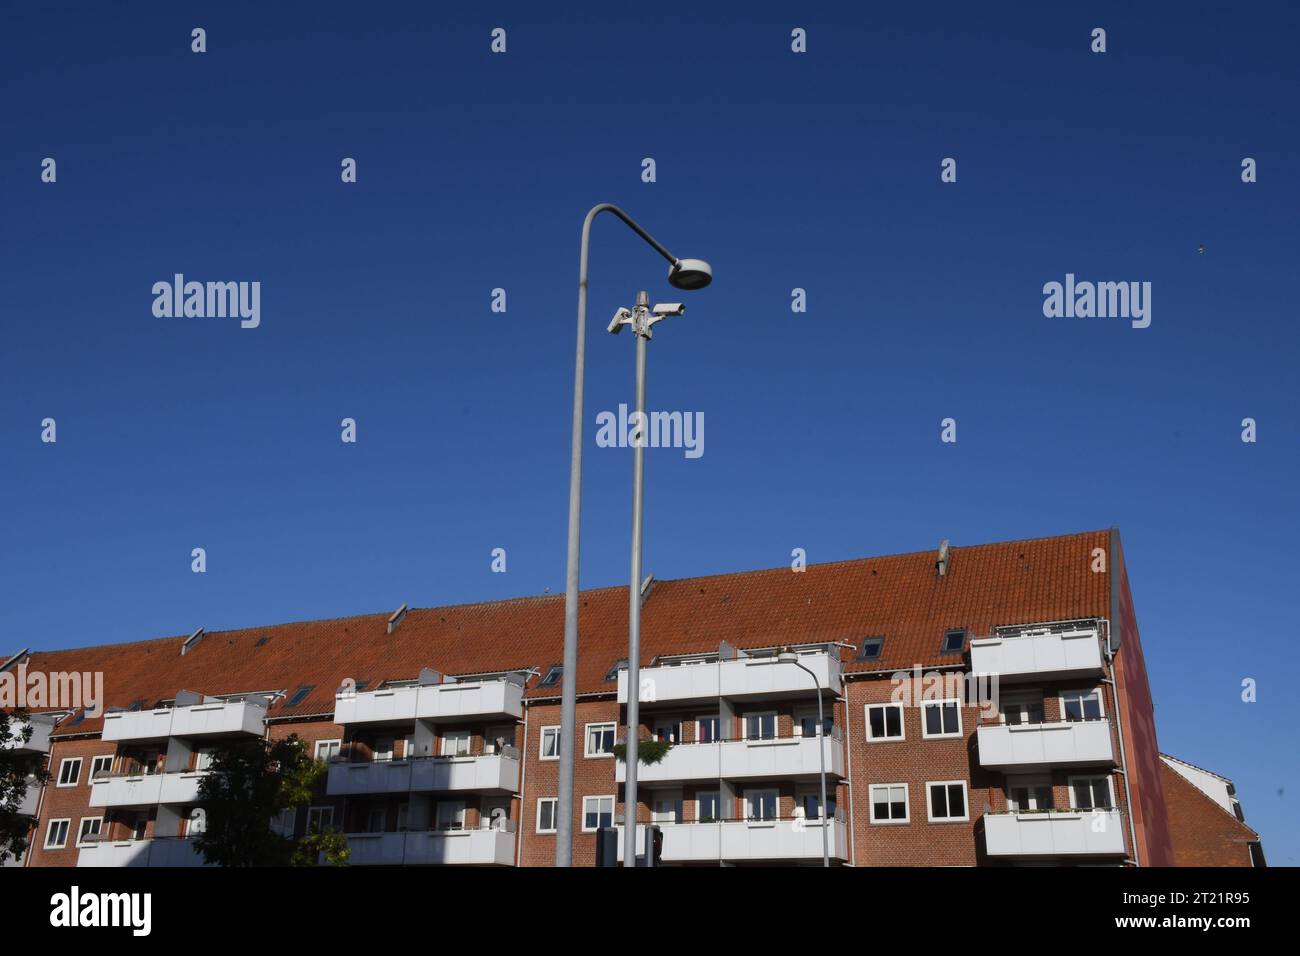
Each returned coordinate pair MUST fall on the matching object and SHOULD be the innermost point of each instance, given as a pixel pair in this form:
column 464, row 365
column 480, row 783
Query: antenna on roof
column 191, row 641
column 396, row 618
column 942, row 564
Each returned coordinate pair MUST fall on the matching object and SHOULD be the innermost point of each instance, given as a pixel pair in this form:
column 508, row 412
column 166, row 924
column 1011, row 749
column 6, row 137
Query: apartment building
column 442, row 731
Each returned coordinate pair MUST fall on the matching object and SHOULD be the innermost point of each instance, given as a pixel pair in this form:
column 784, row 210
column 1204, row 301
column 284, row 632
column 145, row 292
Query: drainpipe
column 848, row 754
column 1123, row 758
column 523, row 790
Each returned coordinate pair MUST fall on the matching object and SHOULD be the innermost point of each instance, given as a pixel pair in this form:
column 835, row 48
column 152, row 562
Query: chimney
column 396, row 618
column 942, row 564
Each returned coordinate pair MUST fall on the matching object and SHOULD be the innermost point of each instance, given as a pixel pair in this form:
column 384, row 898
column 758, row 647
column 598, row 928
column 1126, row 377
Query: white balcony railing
column 794, row 757
column 207, row 719
column 1038, row 656
column 486, row 699
column 745, row 841
column 738, row 678
column 494, row 847
column 1039, row 746
column 1055, row 833
column 135, row 853
column 32, row 797
column 38, row 743
column 145, row 790
column 486, row 773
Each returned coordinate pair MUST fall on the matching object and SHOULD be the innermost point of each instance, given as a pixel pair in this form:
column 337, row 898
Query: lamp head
column 690, row 274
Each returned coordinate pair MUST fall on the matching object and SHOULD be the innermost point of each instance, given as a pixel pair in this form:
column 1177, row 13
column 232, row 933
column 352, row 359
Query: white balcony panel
column 138, row 724
column 487, row 773
column 181, row 787
column 740, row 841
column 27, row 807
column 38, row 743
column 464, row 847
column 1039, row 746
column 470, row 699
column 738, row 678
column 743, row 759
column 1039, row 657
column 1055, row 834
column 377, row 849
column 390, row 705
column 144, row 790
column 383, row 776
column 136, row 853
column 218, row 718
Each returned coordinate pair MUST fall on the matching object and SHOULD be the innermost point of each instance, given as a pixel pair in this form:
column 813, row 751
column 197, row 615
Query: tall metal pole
column 821, row 754
column 569, row 676
column 641, row 328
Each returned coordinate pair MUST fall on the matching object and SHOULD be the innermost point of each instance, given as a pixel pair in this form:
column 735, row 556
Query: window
column 871, row 648
column 383, row 749
column 319, row 819
column 805, row 724
column 552, row 676
column 707, row 729
column 941, row 718
column 670, row 730
column 100, row 765
column 1025, row 794
column 760, row 726
column 300, row 695
column 600, row 740
column 809, row 799
column 666, row 809
column 377, row 820
column 707, row 806
column 550, row 743
column 597, row 812
column 884, row 721
column 455, row 743
column 953, row 642
column 1091, row 793
column 546, row 814
column 612, row 673
column 56, row 837
column 760, row 804
column 403, row 816
column 69, row 772
column 140, row 826
column 328, row 749
column 90, row 827
column 947, row 800
column 889, row 803
column 1081, row 704
column 1022, row 709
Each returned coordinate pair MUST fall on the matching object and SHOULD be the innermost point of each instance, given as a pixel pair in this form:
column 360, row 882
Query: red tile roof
column 900, row 597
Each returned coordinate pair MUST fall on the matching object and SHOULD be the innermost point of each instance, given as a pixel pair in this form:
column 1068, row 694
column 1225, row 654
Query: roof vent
column 396, row 619
column 191, row 641
column 942, row 564
column 646, row 586
column 19, row 658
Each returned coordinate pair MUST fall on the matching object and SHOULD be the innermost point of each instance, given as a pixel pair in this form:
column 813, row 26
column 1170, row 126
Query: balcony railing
column 482, row 773
column 162, row 851
column 788, row 839
column 206, row 719
column 737, row 678
column 1019, row 747
column 1054, row 833
column 462, row 700
column 133, row 789
column 744, row 759
column 1049, row 656
column 438, row 847
column 37, row 743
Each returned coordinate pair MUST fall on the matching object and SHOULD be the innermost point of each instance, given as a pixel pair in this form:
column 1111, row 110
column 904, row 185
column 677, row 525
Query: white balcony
column 433, row 848
column 739, row 841
column 739, row 678
column 1066, row 833
column 792, row 757
column 27, row 807
column 145, row 790
column 1039, row 656
column 207, row 719
column 167, row 852
column 483, row 774
column 38, row 743
column 1017, row 747
column 465, row 700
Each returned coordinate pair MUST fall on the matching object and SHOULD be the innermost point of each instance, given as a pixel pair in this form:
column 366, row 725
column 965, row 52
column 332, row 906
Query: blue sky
column 818, row 171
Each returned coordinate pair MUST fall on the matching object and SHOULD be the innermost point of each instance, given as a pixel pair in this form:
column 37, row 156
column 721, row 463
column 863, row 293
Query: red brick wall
column 72, row 803
column 1202, row 832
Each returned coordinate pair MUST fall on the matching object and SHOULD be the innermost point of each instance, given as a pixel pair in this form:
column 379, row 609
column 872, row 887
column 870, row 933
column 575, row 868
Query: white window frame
column 334, row 742
column 379, row 754
column 800, row 714
column 1029, row 782
column 712, row 718
column 1110, row 789
column 613, row 808
column 49, row 831
column 902, row 723
column 1021, row 697
column 456, row 735
column 555, row 807
column 81, row 826
column 586, row 739
column 76, row 777
column 1082, row 692
column 776, row 803
column 96, row 761
column 805, row 790
column 319, row 812
column 907, row 804
column 677, row 722
column 965, row 801
column 699, row 809
column 776, row 723
column 679, row 806
column 559, row 742
column 925, row 733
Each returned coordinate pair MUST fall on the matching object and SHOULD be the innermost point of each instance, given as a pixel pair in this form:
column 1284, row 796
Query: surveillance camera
column 620, row 317
column 670, row 308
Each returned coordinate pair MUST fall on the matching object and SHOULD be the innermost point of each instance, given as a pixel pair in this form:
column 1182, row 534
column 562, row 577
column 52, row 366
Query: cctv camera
column 620, row 317
column 670, row 308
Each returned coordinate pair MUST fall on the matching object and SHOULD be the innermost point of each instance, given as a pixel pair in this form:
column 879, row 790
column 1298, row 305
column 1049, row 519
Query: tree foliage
column 18, row 772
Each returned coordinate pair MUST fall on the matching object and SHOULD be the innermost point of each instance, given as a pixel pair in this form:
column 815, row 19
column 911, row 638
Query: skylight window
column 552, row 676
column 263, row 641
column 300, row 695
column 871, row 648
column 612, row 673
column 953, row 642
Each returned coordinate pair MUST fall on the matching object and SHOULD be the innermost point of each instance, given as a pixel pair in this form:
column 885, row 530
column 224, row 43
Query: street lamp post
column 788, row 656
column 682, row 274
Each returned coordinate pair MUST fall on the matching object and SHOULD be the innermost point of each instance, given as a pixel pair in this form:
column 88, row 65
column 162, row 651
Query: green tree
column 249, row 785
column 18, row 772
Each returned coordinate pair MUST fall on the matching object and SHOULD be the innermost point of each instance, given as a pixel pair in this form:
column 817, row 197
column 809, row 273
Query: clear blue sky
column 818, row 171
